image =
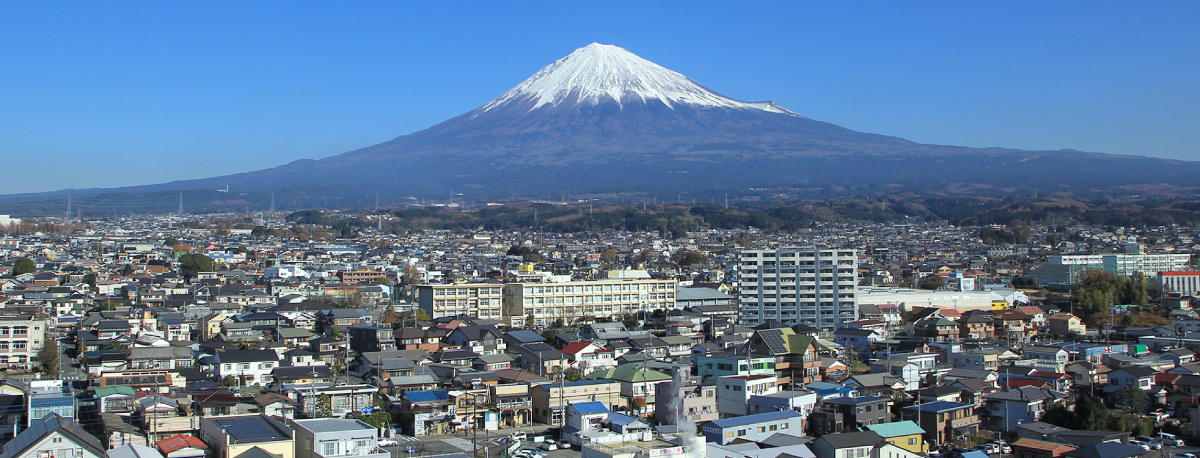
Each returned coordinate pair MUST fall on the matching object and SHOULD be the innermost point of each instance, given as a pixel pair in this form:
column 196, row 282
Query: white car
column 1144, row 446
column 1185, row 455
column 388, row 443
column 518, row 435
column 549, row 446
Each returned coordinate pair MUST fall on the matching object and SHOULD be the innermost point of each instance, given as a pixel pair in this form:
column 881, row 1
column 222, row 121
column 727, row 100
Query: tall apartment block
column 808, row 286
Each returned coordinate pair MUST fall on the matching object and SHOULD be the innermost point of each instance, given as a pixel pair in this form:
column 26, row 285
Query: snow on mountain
column 596, row 73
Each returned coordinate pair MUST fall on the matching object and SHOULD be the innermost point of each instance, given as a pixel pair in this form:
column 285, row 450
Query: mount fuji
column 604, row 120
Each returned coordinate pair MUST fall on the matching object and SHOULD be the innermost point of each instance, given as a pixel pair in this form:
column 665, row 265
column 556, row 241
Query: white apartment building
column 1185, row 283
column 482, row 300
column 1126, row 264
column 798, row 286
column 21, row 338
column 734, row 392
column 570, row 301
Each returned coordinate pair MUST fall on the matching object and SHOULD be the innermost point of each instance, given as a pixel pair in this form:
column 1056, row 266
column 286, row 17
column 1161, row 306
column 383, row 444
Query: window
column 19, row 345
column 329, row 448
column 741, row 432
column 912, row 441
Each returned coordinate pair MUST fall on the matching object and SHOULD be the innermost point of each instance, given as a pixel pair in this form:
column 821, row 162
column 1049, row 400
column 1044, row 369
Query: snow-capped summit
column 599, row 73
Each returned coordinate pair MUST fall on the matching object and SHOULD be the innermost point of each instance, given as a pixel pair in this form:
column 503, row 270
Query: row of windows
column 464, row 292
column 618, row 288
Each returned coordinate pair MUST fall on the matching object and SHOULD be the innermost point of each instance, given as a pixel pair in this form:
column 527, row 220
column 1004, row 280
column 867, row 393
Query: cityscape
column 618, row 230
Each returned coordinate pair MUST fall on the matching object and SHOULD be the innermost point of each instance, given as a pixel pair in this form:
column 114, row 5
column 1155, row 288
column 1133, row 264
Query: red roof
column 1163, row 377
column 174, row 443
column 576, row 347
column 1186, row 272
column 1019, row 382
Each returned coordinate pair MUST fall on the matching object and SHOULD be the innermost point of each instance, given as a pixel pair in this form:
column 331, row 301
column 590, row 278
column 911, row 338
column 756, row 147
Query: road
column 68, row 368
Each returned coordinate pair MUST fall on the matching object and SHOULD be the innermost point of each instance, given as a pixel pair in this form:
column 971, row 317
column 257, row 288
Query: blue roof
column 620, row 419
column 588, row 408
column 426, row 396
column 756, row 418
column 939, row 406
column 974, row 454
column 526, row 336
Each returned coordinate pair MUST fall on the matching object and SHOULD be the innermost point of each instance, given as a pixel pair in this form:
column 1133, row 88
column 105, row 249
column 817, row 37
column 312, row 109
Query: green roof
column 630, row 373
column 896, row 428
column 113, row 389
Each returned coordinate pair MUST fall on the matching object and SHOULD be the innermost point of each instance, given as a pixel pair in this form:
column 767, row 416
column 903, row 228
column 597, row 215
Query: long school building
column 548, row 302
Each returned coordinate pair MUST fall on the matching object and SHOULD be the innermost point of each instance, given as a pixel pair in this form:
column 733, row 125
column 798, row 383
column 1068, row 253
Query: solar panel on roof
column 249, row 428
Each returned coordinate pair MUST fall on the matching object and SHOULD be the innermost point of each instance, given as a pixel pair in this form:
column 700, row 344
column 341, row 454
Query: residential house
column 425, row 413
column 834, row 415
column 797, row 361
column 846, row 445
column 53, row 435
column 336, row 437
column 549, row 399
column 904, row 434
column 1131, row 376
column 696, row 403
column 754, row 428
column 1065, row 324
column 944, row 422
column 233, row 436
column 248, row 367
column 484, row 340
column 734, row 392
column 1005, row 410
column 1032, row 448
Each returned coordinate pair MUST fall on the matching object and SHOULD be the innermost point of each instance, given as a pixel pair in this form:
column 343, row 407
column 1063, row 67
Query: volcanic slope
column 605, row 120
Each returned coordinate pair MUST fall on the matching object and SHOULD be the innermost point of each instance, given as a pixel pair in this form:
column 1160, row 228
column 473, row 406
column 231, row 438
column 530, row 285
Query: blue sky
column 102, row 94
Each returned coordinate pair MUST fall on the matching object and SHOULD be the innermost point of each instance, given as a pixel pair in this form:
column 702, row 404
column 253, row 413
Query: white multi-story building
column 570, row 301
column 798, row 286
column 481, row 300
column 1186, row 283
column 1126, row 264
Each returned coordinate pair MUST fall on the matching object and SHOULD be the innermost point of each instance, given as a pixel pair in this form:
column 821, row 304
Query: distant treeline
column 675, row 220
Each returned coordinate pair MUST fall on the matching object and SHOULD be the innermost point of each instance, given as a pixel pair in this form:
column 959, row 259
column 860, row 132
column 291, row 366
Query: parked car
column 935, row 454
column 549, row 446
column 1185, row 455
column 1155, row 444
column 388, row 443
column 518, row 435
column 1137, row 443
column 1170, row 440
column 1005, row 448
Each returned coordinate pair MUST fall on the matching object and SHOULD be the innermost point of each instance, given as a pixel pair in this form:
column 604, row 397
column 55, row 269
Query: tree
column 193, row 263
column 573, row 375
column 335, row 333
column 49, row 356
column 526, row 253
column 691, row 258
column 609, row 255
column 1136, row 399
column 127, row 271
column 389, row 314
column 932, row 282
column 324, row 406
column 229, row 380
column 410, row 275
column 90, row 279
column 24, row 266
column 1090, row 414
column 529, row 321
column 1059, row 415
